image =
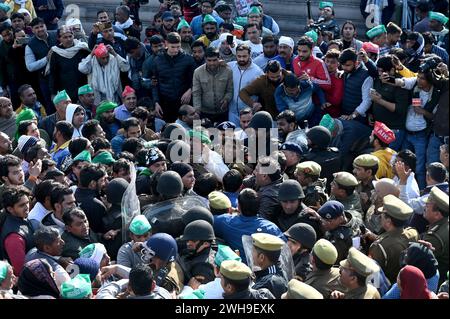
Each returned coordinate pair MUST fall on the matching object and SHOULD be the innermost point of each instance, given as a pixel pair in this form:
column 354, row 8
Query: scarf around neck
column 124, row 25
column 68, row 53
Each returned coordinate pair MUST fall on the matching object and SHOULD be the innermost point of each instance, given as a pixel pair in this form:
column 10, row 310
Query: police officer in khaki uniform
column 343, row 190
column 365, row 167
column 300, row 290
column 436, row 213
column 386, row 249
column 266, row 253
column 308, row 175
column 235, row 281
column 324, row 277
column 354, row 272
column 339, row 227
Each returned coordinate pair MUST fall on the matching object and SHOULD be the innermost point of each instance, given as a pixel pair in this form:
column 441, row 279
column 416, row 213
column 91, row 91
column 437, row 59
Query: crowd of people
column 209, row 156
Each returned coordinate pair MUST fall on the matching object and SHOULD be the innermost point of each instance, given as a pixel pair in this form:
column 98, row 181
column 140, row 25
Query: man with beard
column 107, row 120
column 210, row 30
column 63, row 65
column 129, row 99
column 174, row 71
column 198, row 53
column 86, row 99
column 185, row 31
column 263, row 87
column 255, row 16
column 286, row 124
column 393, row 34
column 301, row 239
column 293, row 210
column 270, row 50
column 206, row 7
column 286, row 54
column 109, row 37
column 93, row 179
column 104, row 68
column 212, row 88
column 438, row 29
column 305, row 65
column 5, row 144
column 244, row 71
column 37, row 56
column 7, row 117
column 168, row 24
column 200, row 246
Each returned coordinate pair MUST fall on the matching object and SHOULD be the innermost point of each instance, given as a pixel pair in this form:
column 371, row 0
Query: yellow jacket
column 16, row 7
column 385, row 167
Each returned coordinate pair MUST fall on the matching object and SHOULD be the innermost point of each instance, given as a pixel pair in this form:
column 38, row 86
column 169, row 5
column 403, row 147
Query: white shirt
column 257, row 49
column 416, row 122
column 411, row 189
column 38, row 212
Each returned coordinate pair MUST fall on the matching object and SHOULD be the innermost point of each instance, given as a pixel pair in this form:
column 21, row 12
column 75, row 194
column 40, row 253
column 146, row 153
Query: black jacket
column 273, row 279
column 64, row 74
column 285, row 221
column 113, row 221
column 174, row 75
column 251, row 294
column 92, row 207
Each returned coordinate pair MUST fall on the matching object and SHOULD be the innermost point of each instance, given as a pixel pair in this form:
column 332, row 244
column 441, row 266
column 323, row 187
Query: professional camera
column 428, row 64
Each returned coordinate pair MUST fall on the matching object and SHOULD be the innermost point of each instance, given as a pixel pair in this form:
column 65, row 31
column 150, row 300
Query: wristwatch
column 354, row 115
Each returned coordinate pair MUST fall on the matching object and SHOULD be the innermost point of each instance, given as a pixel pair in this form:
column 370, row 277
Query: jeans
column 433, row 150
column 400, row 137
column 417, row 143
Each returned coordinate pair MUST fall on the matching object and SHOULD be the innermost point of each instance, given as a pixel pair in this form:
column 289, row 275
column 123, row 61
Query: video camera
column 428, row 64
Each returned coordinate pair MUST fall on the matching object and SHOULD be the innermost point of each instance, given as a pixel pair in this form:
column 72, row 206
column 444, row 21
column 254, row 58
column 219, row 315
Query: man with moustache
column 286, row 54
column 263, row 87
column 210, row 29
column 185, row 32
column 212, row 88
column 7, row 118
column 244, row 71
column 286, row 124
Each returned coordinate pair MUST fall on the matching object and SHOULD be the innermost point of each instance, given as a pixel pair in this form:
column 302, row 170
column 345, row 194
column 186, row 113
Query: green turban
column 313, row 35
column 104, row 107
column 85, row 89
column 104, row 157
column 25, row 115
column 183, row 24
column 61, row 96
column 376, row 31
column 209, row 19
column 200, row 135
column 79, row 287
column 84, row 156
column 140, row 225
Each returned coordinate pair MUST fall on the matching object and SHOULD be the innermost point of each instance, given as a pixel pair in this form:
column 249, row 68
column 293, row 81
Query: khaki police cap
column 366, row 160
column 325, row 251
column 395, row 207
column 235, row 270
column 218, row 200
column 345, row 179
column 309, row 167
column 359, row 262
column 300, row 290
column 440, row 199
column 267, row 242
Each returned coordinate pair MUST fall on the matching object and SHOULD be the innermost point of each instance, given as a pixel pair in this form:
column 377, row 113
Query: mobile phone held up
column 23, row 41
column 230, row 39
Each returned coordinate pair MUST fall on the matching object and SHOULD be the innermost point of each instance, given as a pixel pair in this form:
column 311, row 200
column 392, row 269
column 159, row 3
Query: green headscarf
column 79, row 287
column 104, row 107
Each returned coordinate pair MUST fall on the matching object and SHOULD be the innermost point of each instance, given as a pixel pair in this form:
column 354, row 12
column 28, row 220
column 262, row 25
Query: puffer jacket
column 174, row 75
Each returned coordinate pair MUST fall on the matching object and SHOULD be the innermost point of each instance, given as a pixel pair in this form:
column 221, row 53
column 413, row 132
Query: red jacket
column 334, row 95
column 315, row 68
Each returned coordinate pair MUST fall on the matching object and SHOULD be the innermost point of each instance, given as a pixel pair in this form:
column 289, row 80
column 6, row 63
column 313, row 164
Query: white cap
column 286, row 41
column 23, row 10
column 72, row 22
